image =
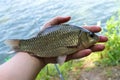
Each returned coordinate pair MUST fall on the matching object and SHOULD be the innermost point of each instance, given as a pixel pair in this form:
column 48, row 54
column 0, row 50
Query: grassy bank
column 111, row 55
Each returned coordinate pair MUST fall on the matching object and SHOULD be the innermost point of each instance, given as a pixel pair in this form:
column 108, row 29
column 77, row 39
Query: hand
column 81, row 53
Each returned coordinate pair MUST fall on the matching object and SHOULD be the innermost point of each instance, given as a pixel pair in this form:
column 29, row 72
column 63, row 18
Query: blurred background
column 22, row 19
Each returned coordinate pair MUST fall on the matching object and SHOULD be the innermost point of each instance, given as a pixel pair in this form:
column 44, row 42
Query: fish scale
column 56, row 40
column 56, row 46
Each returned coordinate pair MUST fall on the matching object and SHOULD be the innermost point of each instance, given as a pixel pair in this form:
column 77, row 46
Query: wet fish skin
column 59, row 40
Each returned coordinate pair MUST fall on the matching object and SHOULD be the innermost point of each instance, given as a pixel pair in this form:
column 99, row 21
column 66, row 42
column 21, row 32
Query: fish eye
column 92, row 34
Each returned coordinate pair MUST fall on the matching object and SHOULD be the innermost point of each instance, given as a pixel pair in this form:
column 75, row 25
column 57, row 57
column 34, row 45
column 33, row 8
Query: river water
column 21, row 19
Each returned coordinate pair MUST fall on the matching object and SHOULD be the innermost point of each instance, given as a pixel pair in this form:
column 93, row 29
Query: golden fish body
column 58, row 40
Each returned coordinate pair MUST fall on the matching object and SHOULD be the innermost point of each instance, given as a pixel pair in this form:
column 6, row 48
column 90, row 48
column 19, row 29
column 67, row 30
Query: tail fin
column 12, row 43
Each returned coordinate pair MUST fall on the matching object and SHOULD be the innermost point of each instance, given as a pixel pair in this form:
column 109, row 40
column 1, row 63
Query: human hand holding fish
column 23, row 66
column 79, row 54
column 61, row 41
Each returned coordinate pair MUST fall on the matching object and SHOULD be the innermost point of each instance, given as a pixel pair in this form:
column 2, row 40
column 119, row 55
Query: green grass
column 68, row 69
column 50, row 72
column 111, row 55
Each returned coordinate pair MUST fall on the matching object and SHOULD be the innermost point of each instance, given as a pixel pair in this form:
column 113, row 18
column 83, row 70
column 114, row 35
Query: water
column 23, row 19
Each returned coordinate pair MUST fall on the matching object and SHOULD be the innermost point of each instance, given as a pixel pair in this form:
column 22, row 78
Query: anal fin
column 61, row 59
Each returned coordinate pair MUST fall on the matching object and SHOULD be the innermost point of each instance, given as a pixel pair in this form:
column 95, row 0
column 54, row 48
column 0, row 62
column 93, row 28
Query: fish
column 56, row 41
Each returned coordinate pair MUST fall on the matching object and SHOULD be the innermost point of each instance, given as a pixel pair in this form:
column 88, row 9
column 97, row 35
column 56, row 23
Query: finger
column 103, row 39
column 57, row 20
column 93, row 28
column 79, row 54
column 97, row 47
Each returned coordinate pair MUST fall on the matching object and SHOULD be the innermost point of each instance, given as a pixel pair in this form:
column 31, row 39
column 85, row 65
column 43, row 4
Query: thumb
column 57, row 20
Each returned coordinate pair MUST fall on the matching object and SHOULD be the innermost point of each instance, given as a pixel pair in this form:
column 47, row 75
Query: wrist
column 21, row 67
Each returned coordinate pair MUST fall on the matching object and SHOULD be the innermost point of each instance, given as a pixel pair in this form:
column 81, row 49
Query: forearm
column 21, row 67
